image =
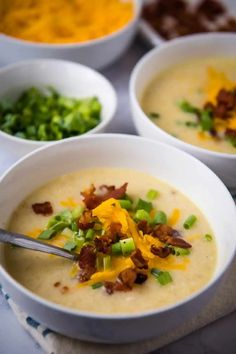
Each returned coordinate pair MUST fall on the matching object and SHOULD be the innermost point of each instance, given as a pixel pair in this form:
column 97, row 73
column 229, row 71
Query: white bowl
column 95, row 53
column 152, row 37
column 70, row 79
column 164, row 57
column 162, row 161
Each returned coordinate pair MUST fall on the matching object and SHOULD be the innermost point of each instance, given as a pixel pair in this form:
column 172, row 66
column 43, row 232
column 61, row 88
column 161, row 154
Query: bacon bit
column 103, row 244
column 144, row 227
column 178, row 242
column 138, row 259
column 162, row 232
column 109, row 286
column 57, row 284
column 43, row 208
column 115, row 232
column 64, row 289
column 141, row 278
column 210, row 9
column 85, row 222
column 87, row 263
column 124, row 282
column 161, row 252
column 128, row 277
column 107, row 188
column 92, row 200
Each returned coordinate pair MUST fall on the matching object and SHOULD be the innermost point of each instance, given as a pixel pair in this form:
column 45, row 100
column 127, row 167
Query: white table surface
column 217, row 338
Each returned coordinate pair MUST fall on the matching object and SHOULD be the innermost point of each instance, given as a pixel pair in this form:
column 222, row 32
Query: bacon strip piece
column 138, row 259
column 178, row 242
column 87, row 263
column 85, row 222
column 43, row 208
column 163, row 232
column 124, row 282
column 161, row 252
column 92, row 200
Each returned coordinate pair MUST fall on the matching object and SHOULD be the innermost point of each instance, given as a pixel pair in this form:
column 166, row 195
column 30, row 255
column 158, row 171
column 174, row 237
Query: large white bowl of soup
column 91, row 33
column 153, row 228
column 183, row 93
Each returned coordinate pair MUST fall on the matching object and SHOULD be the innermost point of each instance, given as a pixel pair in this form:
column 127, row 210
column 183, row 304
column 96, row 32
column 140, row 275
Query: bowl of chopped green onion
column 43, row 101
column 186, row 81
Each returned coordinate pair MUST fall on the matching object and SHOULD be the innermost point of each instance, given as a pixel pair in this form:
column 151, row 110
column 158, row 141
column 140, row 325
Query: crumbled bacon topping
column 138, row 259
column 124, row 282
column 161, row 252
column 178, row 242
column 85, row 222
column 103, row 244
column 92, row 200
column 43, row 208
column 163, row 231
column 144, row 227
column 87, row 263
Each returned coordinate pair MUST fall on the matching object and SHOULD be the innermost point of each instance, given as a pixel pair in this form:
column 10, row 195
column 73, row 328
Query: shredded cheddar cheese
column 174, row 218
column 63, row 21
column 69, row 203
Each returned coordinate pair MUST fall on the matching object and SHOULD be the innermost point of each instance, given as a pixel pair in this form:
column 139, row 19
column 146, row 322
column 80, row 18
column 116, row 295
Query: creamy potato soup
column 141, row 243
column 196, row 102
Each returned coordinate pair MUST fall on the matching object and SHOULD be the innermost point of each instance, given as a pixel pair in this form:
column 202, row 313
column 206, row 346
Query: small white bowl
column 164, row 57
column 153, row 38
column 159, row 160
column 69, row 79
column 95, row 53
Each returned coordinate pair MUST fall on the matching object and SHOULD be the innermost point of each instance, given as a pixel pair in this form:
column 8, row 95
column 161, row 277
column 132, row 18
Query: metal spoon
column 35, row 245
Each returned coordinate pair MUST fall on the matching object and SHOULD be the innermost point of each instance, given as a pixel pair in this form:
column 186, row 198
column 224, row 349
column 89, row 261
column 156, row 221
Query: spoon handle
column 36, row 245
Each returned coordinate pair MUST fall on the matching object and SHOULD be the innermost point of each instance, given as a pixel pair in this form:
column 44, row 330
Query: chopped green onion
column 142, row 215
column 152, row 194
column 143, row 205
column 67, row 232
column 81, row 233
column 79, row 241
column 162, row 277
column 154, row 115
column 127, row 246
column 59, row 226
column 208, row 237
column 190, row 221
column 77, row 212
column 97, row 285
column 99, row 263
column 206, row 121
column 178, row 251
column 116, row 249
column 90, row 233
column 187, row 107
column 106, row 262
column 74, row 226
column 160, row 218
column 46, row 234
column 70, row 245
column 191, row 124
column 125, row 204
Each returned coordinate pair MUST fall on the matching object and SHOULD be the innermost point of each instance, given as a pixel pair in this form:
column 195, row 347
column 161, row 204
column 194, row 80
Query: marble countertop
column 216, row 338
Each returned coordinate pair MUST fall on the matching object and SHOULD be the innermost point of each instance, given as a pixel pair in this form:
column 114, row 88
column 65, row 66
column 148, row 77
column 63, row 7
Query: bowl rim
column 57, row 46
column 101, row 316
column 141, row 64
column 37, row 62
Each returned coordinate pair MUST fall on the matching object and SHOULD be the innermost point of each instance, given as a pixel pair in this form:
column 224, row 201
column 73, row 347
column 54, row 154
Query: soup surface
column 169, row 279
column 195, row 102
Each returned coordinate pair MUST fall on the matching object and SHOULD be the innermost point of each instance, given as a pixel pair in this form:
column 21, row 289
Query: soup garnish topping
column 217, row 116
column 120, row 242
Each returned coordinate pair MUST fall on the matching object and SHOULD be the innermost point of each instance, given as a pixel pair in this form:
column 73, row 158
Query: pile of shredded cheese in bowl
column 63, row 21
